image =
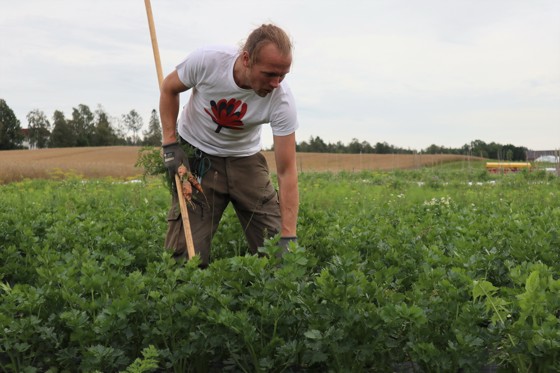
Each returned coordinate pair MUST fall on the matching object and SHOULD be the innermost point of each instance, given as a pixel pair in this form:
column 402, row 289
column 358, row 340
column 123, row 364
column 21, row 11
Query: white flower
column 443, row 201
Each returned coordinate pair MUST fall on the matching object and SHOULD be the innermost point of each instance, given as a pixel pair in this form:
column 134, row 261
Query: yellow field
column 118, row 162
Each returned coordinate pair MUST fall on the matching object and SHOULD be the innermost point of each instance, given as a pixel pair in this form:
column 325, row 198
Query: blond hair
column 264, row 35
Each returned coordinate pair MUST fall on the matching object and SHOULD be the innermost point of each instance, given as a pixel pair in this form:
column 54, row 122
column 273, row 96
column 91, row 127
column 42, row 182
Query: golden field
column 119, row 161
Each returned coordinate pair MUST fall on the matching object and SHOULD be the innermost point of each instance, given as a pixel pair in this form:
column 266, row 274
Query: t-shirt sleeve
column 190, row 69
column 284, row 119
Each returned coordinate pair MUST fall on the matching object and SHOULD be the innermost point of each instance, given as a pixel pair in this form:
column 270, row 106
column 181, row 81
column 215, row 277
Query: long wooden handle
column 182, row 203
column 185, row 217
column 153, row 36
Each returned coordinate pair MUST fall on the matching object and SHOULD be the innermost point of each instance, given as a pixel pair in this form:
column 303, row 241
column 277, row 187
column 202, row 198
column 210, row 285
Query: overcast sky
column 406, row 72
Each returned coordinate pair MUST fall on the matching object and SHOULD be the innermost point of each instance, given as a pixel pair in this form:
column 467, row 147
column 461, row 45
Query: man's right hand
column 173, row 157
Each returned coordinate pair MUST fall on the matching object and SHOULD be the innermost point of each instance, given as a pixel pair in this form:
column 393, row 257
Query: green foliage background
column 427, row 270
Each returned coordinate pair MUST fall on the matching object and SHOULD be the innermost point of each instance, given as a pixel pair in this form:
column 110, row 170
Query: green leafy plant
column 391, row 272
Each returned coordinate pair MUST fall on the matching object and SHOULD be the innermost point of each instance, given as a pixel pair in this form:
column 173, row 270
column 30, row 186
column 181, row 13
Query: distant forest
column 477, row 148
column 96, row 128
column 84, row 128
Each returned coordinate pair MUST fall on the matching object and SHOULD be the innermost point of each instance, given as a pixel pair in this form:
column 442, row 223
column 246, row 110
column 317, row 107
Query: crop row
column 411, row 271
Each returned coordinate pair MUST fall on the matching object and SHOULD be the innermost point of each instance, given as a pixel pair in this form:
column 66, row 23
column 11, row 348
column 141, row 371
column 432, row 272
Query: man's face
column 269, row 71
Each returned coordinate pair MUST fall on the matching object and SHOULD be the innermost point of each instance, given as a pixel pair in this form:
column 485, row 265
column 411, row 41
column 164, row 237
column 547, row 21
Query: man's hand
column 173, row 157
column 284, row 243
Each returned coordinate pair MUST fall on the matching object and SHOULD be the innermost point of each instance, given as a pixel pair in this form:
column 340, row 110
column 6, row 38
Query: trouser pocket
column 175, row 237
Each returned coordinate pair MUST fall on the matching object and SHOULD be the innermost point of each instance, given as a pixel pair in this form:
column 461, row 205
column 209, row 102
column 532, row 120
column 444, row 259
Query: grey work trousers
column 243, row 181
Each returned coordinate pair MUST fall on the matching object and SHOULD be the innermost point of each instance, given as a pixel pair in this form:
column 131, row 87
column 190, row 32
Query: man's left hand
column 284, row 243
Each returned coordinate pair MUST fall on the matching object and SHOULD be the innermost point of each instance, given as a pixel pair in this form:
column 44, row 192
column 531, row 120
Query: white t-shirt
column 223, row 119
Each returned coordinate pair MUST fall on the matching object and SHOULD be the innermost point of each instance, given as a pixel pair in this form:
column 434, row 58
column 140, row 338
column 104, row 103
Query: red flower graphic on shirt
column 224, row 113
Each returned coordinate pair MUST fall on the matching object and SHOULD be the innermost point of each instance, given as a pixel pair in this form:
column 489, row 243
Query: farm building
column 548, row 159
column 533, row 155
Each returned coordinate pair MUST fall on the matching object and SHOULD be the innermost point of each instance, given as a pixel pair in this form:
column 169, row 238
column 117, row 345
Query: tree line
column 84, row 128
column 476, row 148
column 97, row 128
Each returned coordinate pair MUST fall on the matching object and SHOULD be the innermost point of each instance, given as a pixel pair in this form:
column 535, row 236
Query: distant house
column 28, row 144
column 548, row 159
column 533, row 155
column 26, row 139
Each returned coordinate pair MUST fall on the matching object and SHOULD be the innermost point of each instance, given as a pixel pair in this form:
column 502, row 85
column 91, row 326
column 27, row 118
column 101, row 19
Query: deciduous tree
column 62, row 135
column 82, row 123
column 11, row 136
column 104, row 133
column 133, row 121
column 39, row 129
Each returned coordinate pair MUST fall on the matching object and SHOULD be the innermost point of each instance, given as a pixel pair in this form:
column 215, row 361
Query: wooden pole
column 182, row 203
column 185, row 217
column 155, row 46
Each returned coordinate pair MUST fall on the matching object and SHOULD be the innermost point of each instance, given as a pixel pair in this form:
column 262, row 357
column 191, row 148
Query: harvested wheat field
column 91, row 162
column 119, row 161
column 358, row 162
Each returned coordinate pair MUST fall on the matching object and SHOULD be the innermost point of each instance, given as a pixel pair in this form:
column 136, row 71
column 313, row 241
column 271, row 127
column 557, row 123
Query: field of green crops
column 433, row 270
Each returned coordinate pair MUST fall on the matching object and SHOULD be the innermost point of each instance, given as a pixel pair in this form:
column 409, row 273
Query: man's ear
column 245, row 59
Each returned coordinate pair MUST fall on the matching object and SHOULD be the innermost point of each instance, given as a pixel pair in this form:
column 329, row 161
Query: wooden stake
column 182, row 203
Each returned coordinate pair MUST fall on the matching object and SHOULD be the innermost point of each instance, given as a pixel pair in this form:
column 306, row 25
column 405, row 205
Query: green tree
column 357, row 147
column 354, row 147
column 367, row 148
column 133, row 122
column 339, row 147
column 514, row 153
column 103, row 133
column 317, row 145
column 435, row 149
column 302, row 146
column 153, row 136
column 11, row 136
column 82, row 123
column 494, row 151
column 479, row 149
column 383, row 148
column 39, row 129
column 62, row 135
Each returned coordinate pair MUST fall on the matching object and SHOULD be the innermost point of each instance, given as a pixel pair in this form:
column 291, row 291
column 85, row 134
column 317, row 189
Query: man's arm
column 286, row 168
column 170, row 89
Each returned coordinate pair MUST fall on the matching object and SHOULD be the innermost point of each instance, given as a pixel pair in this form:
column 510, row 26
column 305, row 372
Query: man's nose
column 275, row 82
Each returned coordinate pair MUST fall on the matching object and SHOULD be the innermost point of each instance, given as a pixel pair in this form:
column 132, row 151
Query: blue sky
column 409, row 73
